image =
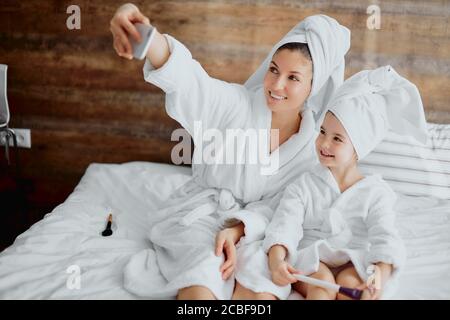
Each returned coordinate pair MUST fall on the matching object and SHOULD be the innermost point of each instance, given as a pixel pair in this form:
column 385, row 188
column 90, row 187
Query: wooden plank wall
column 83, row 104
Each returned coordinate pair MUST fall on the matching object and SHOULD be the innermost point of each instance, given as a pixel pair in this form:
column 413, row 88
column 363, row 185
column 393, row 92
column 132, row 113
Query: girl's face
column 333, row 145
column 287, row 83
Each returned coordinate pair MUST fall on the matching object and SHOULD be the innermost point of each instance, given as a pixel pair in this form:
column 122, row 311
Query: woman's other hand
column 226, row 243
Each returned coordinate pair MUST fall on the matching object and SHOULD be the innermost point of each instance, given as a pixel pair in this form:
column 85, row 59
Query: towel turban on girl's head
column 372, row 102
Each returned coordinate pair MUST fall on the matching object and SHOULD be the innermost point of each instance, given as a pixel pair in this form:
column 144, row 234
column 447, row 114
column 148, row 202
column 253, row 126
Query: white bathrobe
column 184, row 237
column 183, row 233
column 316, row 222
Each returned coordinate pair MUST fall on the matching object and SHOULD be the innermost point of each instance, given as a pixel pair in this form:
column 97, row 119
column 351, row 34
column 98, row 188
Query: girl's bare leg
column 242, row 293
column 348, row 278
column 316, row 293
column 195, row 293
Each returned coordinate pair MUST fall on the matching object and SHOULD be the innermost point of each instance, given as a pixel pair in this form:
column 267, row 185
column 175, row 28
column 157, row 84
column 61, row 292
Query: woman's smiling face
column 288, row 81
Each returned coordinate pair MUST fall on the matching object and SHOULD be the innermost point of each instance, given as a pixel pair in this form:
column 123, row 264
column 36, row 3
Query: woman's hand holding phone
column 127, row 24
column 123, row 25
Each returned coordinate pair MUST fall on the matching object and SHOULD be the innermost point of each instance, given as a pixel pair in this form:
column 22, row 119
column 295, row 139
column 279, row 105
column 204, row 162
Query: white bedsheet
column 42, row 263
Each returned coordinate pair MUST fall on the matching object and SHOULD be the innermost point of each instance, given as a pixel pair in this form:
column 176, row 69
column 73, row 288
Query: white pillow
column 412, row 168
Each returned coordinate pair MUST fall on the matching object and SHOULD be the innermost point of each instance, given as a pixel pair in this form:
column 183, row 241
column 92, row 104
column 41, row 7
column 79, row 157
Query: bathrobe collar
column 297, row 142
column 325, row 174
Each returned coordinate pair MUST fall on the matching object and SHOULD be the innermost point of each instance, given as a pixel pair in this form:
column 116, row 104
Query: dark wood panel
column 84, row 104
column 66, row 149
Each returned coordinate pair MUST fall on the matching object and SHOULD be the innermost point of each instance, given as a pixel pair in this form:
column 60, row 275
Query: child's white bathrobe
column 316, row 222
column 183, row 233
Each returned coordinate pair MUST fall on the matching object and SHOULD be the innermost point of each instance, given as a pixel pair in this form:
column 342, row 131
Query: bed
column 64, row 256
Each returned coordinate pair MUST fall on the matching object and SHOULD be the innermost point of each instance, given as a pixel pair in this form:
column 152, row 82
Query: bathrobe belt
column 334, row 228
column 223, row 202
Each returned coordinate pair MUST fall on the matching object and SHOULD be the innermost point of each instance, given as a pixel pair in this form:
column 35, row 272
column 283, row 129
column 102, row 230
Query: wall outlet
column 23, row 138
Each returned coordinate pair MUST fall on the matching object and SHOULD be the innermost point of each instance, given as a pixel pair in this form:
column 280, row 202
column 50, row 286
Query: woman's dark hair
column 300, row 47
column 297, row 46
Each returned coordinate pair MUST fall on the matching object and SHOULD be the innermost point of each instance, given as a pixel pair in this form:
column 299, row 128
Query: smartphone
column 147, row 33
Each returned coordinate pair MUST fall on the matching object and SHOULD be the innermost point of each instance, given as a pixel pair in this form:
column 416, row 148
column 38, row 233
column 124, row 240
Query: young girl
column 195, row 252
column 332, row 223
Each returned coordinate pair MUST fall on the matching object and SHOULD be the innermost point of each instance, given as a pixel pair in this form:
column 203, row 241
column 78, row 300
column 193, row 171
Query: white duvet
column 64, row 256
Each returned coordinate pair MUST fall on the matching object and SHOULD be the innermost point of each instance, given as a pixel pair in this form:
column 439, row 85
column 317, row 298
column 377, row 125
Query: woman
column 194, row 237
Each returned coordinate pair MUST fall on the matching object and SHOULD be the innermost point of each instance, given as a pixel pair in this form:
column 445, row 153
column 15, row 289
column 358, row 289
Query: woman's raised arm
column 191, row 94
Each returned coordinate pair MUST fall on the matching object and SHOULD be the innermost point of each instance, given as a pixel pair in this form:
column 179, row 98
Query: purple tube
column 352, row 293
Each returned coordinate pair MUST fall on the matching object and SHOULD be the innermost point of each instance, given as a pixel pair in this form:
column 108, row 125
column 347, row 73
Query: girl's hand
column 282, row 272
column 370, row 292
column 121, row 26
column 373, row 288
column 225, row 243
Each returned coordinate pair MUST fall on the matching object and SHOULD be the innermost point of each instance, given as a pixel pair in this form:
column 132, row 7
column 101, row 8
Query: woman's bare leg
column 348, row 278
column 242, row 293
column 317, row 293
column 195, row 293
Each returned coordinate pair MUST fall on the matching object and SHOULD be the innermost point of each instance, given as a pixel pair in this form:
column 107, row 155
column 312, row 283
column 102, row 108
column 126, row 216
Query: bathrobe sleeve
column 192, row 95
column 255, row 217
column 286, row 226
column 385, row 242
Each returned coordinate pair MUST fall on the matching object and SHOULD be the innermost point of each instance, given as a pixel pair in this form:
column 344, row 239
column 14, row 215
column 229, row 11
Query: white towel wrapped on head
column 328, row 42
column 372, row 102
